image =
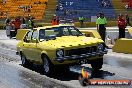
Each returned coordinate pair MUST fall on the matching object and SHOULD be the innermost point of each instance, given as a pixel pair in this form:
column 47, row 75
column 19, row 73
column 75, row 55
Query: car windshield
column 52, row 33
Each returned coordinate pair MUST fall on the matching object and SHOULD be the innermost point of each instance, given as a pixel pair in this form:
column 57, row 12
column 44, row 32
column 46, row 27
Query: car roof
column 45, row 27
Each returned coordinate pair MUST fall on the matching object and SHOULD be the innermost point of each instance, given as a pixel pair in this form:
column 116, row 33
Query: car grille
column 80, row 51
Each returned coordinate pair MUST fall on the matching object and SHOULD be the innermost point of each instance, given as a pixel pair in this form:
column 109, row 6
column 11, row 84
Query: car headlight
column 100, row 47
column 60, row 53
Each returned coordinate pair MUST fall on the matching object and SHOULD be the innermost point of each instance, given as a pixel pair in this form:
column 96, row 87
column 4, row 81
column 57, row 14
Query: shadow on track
column 71, row 75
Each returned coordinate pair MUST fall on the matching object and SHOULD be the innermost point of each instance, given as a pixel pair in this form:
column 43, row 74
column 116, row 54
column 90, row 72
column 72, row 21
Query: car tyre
column 25, row 62
column 47, row 66
column 97, row 64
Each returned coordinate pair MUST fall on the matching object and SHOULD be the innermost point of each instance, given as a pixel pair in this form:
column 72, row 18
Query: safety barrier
column 93, row 24
column 91, row 33
column 123, row 46
column 21, row 33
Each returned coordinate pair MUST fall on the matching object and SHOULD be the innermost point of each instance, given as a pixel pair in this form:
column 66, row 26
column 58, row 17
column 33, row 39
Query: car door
column 26, row 45
column 35, row 51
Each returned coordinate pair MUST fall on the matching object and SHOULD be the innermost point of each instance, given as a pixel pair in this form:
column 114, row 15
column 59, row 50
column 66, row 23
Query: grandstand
column 43, row 10
column 86, row 8
column 24, row 8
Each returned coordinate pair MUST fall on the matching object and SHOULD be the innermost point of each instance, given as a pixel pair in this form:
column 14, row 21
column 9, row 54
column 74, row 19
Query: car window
column 52, row 33
column 41, row 34
column 71, row 31
column 48, row 33
column 35, row 35
column 28, row 36
column 66, row 31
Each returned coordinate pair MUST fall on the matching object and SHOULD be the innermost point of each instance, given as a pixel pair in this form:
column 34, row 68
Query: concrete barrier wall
column 111, row 32
column 93, row 24
column 123, row 46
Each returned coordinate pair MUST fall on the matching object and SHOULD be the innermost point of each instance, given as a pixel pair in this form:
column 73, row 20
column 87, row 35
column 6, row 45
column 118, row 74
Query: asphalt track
column 13, row 75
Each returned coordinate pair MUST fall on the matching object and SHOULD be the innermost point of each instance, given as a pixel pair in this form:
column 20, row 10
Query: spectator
column 30, row 24
column 12, row 24
column 101, row 22
column 17, row 24
column 30, row 6
column 7, row 20
column 61, row 7
column 105, row 3
column 38, row 2
column 45, row 3
column 1, row 13
column 127, row 7
column 108, row 3
column 24, row 9
column 81, row 20
column 6, row 14
column 29, row 17
column 98, row 15
column 128, row 20
column 28, row 10
column 23, row 21
column 55, row 20
column 21, row 7
column 121, row 25
column 4, row 1
column 102, row 3
column 57, row 7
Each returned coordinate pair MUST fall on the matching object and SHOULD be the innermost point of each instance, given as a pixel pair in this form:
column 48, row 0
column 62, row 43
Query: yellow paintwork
column 130, row 31
column 21, row 33
column 35, row 50
column 91, row 33
column 123, row 46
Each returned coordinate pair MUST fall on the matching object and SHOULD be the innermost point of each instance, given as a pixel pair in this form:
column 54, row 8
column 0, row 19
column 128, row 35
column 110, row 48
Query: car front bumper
column 81, row 56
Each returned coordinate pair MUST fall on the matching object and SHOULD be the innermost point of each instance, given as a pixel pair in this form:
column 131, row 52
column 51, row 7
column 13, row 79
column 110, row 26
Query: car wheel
column 97, row 64
column 25, row 62
column 47, row 66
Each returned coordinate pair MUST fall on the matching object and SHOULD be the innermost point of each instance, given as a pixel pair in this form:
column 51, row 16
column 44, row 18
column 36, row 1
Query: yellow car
column 60, row 46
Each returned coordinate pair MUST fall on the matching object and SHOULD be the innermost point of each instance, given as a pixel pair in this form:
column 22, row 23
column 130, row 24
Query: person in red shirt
column 17, row 24
column 55, row 20
column 121, row 25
